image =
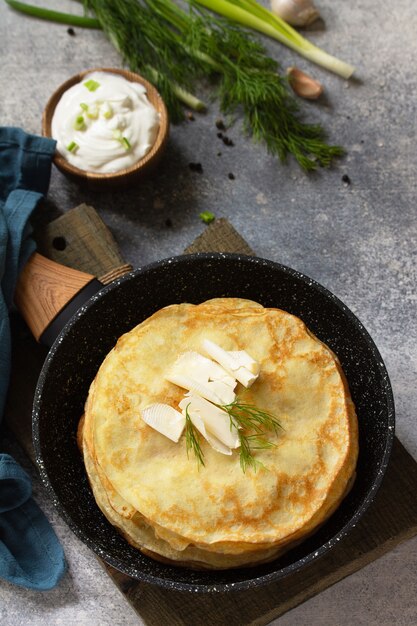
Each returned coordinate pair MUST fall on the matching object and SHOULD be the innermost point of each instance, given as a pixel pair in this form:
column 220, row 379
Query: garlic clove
column 303, row 85
column 295, row 12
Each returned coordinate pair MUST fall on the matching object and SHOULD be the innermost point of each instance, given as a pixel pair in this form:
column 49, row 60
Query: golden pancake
column 218, row 515
column 142, row 536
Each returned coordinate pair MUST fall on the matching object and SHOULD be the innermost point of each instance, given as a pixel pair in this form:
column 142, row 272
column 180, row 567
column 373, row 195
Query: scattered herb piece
column 190, row 116
column 192, row 442
column 84, row 106
column 92, row 112
column 72, row 147
column 227, row 141
column 220, row 124
column 91, row 84
column 196, row 167
column 219, row 154
column 79, row 122
column 117, row 134
column 207, row 217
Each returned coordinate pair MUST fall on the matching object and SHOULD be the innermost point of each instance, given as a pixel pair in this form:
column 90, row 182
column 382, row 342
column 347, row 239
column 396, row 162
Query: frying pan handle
column 48, row 294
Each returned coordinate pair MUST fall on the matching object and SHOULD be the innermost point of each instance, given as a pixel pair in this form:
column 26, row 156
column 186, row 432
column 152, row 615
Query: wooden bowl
column 123, row 178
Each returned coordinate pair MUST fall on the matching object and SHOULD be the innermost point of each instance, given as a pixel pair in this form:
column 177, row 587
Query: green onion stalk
column 83, row 21
column 252, row 15
column 249, row 13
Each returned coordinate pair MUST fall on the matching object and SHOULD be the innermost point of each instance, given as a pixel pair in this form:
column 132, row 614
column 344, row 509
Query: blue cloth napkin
column 30, row 553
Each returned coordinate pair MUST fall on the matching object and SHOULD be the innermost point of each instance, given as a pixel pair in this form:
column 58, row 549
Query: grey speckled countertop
column 359, row 240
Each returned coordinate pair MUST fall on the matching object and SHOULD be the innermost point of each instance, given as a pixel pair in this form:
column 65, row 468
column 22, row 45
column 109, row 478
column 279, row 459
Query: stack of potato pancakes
column 215, row 515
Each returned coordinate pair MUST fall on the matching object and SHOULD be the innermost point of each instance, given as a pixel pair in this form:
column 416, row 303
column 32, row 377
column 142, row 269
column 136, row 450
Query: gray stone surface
column 359, row 240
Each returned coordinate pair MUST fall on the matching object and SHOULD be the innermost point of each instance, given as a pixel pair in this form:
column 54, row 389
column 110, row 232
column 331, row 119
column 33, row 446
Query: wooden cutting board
column 81, row 240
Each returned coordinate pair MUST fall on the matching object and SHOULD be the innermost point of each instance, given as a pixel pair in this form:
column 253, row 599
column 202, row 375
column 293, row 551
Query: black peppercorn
column 196, row 167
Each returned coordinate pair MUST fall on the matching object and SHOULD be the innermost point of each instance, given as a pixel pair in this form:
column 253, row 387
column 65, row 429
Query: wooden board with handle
column 391, row 519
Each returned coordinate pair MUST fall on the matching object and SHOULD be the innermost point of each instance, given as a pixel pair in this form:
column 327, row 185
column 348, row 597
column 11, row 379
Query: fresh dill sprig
column 249, row 418
column 246, row 457
column 251, row 423
column 192, row 442
column 177, row 49
column 248, row 443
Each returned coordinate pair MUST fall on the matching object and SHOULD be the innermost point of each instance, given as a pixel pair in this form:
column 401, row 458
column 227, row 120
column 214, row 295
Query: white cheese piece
column 224, row 392
column 165, row 419
column 216, row 392
column 216, row 421
column 246, row 360
column 215, row 443
column 201, row 369
column 233, row 362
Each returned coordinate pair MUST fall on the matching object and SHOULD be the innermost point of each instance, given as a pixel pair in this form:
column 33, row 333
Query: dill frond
column 178, row 49
column 192, row 442
column 251, row 417
column 248, row 418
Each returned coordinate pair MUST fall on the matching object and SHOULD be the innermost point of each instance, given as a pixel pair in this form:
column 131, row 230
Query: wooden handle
column 44, row 288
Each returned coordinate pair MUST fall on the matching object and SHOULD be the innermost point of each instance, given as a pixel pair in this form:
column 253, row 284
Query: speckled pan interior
column 79, row 350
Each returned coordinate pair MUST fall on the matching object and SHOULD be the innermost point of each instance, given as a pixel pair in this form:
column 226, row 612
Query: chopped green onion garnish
column 126, row 143
column 91, row 85
column 117, row 134
column 84, row 106
column 93, row 112
column 108, row 112
column 207, row 217
column 72, row 147
column 79, row 123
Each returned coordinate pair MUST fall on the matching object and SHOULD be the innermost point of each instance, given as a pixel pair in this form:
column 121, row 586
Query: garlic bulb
column 295, row 12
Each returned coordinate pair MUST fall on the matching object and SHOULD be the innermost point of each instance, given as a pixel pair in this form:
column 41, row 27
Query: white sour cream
column 105, row 123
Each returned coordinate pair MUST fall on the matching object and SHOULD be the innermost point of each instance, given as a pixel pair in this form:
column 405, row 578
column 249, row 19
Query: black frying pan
column 82, row 345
